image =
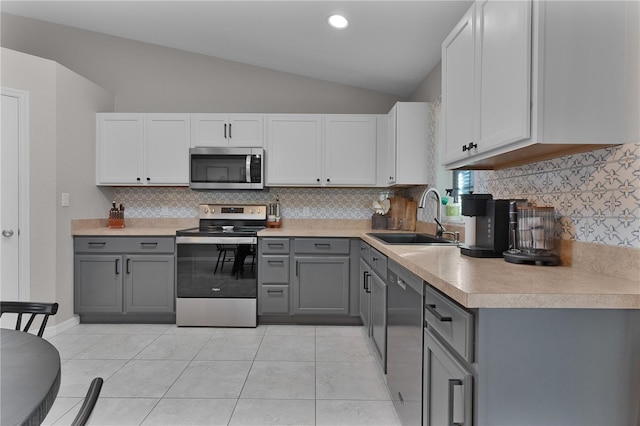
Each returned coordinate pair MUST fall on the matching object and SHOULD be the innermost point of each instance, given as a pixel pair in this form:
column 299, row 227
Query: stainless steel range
column 217, row 268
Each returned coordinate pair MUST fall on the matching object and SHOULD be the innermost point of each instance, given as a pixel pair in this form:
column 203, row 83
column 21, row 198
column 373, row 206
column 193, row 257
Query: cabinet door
column 149, row 283
column 365, row 295
column 321, row 285
column 119, row 150
column 167, row 141
column 246, row 130
column 379, row 318
column 294, row 150
column 98, row 283
column 209, row 130
column 391, row 145
column 503, row 72
column 458, row 105
column 447, row 393
column 350, row 150
column 409, row 141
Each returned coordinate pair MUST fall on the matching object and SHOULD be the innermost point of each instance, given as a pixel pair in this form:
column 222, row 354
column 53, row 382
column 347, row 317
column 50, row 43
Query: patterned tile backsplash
column 596, row 194
column 323, row 203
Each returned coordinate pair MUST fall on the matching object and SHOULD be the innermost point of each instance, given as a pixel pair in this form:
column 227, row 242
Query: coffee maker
column 491, row 225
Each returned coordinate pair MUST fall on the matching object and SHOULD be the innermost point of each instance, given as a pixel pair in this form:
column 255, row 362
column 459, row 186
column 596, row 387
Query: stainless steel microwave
column 226, row 168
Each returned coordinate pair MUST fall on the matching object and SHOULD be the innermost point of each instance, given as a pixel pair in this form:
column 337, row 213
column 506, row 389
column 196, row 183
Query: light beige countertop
column 472, row 282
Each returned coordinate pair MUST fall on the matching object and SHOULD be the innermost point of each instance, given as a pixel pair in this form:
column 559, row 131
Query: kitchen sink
column 412, row 238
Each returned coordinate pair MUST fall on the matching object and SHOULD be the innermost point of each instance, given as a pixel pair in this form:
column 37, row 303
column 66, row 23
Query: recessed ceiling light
column 338, row 21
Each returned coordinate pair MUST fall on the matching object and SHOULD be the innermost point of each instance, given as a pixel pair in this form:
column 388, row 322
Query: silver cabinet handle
column 452, row 383
column 7, row 233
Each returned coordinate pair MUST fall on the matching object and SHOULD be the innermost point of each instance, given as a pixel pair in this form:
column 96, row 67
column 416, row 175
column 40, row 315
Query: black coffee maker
column 491, row 225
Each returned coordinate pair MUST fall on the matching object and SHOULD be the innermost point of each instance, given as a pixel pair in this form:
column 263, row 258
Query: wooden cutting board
column 410, row 213
column 402, row 213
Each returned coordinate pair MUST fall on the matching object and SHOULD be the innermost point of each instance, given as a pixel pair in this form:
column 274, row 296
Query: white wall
column 149, row 78
column 62, row 108
column 77, row 101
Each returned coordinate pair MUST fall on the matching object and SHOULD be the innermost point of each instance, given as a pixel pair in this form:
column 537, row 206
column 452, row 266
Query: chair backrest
column 89, row 402
column 32, row 308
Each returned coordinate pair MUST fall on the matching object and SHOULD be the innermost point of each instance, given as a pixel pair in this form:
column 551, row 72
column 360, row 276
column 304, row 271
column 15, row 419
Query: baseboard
column 54, row 330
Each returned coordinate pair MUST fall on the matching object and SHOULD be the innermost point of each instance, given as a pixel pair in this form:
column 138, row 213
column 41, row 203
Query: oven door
column 216, row 267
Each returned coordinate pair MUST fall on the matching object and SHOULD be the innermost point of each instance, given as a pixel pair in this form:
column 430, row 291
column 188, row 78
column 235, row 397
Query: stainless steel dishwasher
column 404, row 343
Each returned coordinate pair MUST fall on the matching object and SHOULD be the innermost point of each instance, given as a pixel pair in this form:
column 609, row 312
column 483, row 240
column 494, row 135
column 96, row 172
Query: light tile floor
column 271, row 375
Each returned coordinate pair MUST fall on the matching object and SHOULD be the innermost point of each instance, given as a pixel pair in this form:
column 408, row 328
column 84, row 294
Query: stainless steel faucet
column 423, row 201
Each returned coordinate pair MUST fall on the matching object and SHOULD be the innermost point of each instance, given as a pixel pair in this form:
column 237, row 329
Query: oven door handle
column 216, row 240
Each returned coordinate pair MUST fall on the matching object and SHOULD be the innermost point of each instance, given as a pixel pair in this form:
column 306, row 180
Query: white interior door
column 13, row 205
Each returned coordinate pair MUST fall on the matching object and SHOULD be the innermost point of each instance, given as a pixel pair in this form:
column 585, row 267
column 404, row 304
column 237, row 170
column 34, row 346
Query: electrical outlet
column 306, row 212
column 64, row 199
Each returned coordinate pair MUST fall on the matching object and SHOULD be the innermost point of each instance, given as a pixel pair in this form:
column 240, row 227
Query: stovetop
column 217, row 230
column 228, row 220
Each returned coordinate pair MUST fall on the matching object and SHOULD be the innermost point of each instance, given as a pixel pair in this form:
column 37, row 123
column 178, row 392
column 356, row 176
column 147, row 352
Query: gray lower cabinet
column 124, row 279
column 378, row 318
column 273, row 276
column 373, row 300
column 365, row 295
column 98, row 283
column 447, row 386
column 321, row 285
column 321, row 276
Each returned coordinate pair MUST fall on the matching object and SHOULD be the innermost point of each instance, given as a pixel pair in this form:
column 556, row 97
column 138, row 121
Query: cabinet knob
column 138, row 179
column 328, row 180
column 148, row 179
column 318, row 180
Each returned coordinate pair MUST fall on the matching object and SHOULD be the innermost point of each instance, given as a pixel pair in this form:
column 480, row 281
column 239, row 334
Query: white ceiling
column 389, row 46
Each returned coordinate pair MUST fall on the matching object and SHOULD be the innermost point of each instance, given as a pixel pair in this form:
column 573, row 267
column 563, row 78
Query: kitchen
column 138, row 92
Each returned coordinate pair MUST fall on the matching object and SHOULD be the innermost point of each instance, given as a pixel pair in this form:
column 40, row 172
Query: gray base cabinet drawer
column 451, row 322
column 322, row 245
column 274, row 269
column 275, row 245
column 378, row 262
column 274, row 299
column 124, row 245
column 364, row 251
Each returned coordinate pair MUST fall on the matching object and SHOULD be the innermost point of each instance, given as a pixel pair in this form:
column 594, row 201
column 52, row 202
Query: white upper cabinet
column 350, row 150
column 227, row 130
column 120, row 149
column 408, row 134
column 321, row 150
column 503, row 72
column 167, row 139
column 294, row 150
column 142, row 149
column 458, row 82
column 548, row 79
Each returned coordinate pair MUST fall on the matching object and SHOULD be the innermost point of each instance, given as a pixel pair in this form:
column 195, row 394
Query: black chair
column 89, row 403
column 32, row 308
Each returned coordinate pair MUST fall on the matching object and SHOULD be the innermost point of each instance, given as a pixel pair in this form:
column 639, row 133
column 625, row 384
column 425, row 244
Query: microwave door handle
column 248, row 167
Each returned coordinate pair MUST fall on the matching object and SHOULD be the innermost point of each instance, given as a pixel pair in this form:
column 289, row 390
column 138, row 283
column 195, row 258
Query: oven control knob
column 251, row 211
column 206, row 210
